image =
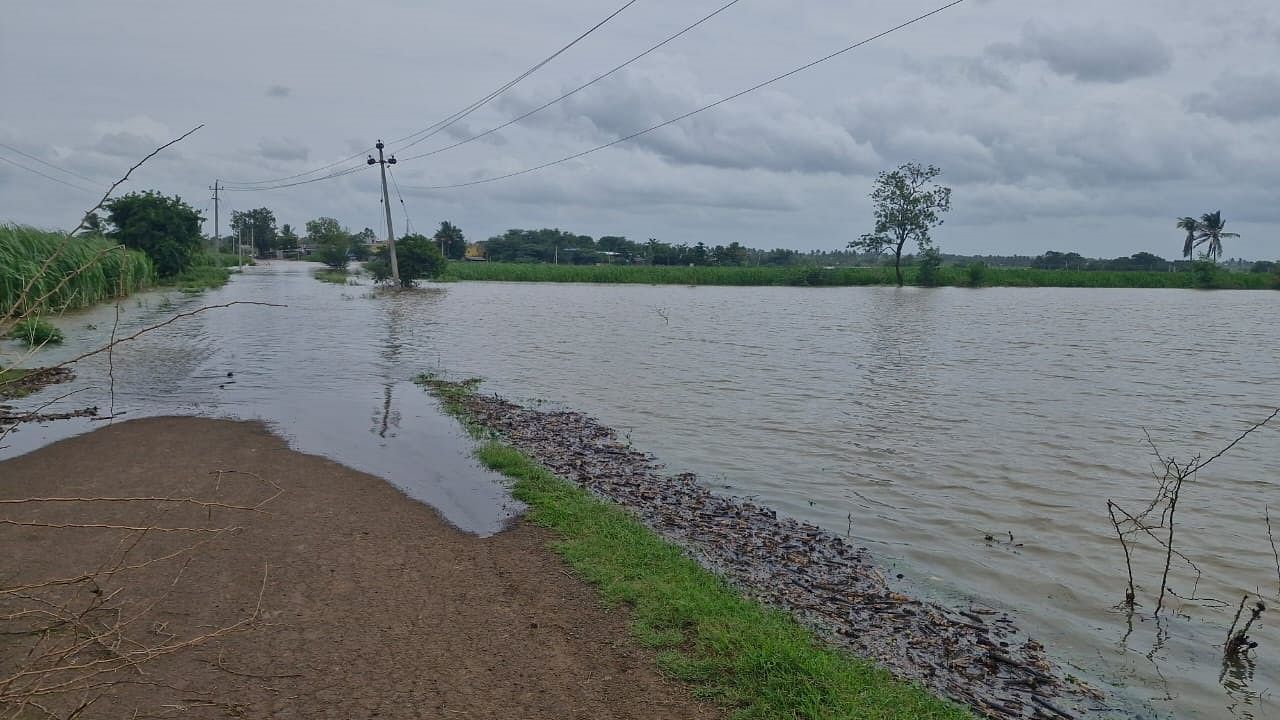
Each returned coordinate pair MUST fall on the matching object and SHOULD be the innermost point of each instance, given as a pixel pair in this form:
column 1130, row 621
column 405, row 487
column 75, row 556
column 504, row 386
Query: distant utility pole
column 217, row 239
column 386, row 205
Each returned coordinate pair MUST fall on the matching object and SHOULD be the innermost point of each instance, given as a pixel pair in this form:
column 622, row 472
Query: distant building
column 475, row 252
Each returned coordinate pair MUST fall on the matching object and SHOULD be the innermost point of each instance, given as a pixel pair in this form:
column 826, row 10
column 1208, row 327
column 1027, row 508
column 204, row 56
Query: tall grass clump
column 83, row 271
column 36, row 332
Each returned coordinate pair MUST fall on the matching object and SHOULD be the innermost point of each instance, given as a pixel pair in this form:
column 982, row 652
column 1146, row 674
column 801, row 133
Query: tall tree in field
column 331, row 241
column 907, row 206
column 1192, row 226
column 165, row 228
column 361, row 243
column 288, row 239
column 450, row 240
column 260, row 224
column 1212, row 230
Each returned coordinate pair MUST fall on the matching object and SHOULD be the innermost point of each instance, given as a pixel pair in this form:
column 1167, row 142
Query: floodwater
column 918, row 422
column 330, row 371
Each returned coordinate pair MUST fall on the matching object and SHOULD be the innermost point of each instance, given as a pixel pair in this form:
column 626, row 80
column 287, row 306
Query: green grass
column 329, row 275
column 11, row 385
column 83, row 271
column 198, row 278
column 36, row 332
column 221, row 259
column 735, row 652
column 819, row 277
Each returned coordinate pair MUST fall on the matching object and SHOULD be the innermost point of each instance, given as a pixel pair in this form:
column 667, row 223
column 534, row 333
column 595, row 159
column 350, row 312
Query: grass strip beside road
column 758, row 661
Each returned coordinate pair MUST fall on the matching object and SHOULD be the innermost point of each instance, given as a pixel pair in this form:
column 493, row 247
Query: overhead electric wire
column 301, row 174
column 581, row 87
column 442, row 124
column 430, row 130
column 48, row 177
column 49, row 165
column 691, row 113
column 347, row 171
column 408, row 224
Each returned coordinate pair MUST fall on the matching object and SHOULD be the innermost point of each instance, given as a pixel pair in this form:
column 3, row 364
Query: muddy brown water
column 916, row 421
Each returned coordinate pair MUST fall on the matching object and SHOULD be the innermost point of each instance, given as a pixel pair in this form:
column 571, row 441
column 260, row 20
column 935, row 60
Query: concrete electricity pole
column 217, row 239
column 386, row 205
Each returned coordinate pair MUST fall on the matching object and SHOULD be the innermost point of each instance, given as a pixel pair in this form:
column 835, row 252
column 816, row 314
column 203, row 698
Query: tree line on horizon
column 908, row 203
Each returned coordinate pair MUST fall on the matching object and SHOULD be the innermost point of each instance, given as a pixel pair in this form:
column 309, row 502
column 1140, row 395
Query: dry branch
column 26, row 290
column 81, row 636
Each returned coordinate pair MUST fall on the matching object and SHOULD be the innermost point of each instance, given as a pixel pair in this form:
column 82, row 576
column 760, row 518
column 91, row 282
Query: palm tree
column 453, row 244
column 1212, row 232
column 1192, row 226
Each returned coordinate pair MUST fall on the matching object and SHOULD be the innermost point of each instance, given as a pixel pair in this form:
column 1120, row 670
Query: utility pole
column 217, row 239
column 386, row 205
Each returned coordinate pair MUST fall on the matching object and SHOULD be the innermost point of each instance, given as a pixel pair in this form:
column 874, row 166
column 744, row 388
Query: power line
column 691, row 113
column 408, row 224
column 49, row 165
column 442, row 124
column 574, row 91
column 303, row 174
column 48, row 177
column 330, row 176
column 430, row 130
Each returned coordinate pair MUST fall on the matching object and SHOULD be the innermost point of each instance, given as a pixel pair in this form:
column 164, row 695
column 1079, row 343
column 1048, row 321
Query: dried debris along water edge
column 976, row 656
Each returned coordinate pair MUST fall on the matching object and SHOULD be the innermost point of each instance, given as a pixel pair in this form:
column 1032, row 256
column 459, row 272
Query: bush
column 332, row 254
column 1204, row 274
column 930, row 267
column 975, row 273
column 36, row 332
column 165, row 228
column 417, row 257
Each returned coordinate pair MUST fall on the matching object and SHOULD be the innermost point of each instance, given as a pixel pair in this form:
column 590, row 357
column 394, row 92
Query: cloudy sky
column 1086, row 126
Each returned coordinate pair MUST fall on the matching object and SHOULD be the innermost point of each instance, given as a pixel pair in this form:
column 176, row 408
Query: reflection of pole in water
column 390, row 353
column 386, row 409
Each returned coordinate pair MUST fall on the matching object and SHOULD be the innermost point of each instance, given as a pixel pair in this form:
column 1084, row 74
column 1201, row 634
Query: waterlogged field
column 919, row 422
column 844, row 277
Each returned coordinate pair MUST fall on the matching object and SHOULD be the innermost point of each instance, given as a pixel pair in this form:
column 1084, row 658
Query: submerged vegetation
column 35, row 331
column 972, row 275
column 329, row 275
column 68, row 273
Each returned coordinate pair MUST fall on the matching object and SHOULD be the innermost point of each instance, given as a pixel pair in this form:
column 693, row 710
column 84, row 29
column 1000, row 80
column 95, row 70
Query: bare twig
column 1168, row 548
column 5, row 430
column 84, row 220
column 1238, row 640
column 157, row 326
column 1129, row 595
column 107, row 526
column 157, row 499
column 1267, row 512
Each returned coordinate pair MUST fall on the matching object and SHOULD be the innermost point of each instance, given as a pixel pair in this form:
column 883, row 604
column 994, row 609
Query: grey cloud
column 125, row 144
column 282, row 149
column 1090, row 54
column 1240, row 98
column 948, row 71
column 771, row 132
column 1037, row 136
